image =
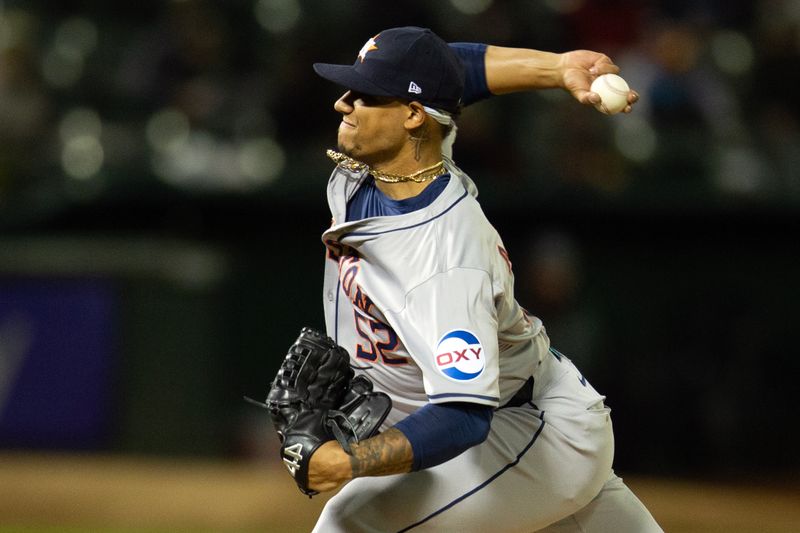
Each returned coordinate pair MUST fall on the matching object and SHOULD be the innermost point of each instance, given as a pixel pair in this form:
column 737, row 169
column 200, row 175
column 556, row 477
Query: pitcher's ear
column 416, row 115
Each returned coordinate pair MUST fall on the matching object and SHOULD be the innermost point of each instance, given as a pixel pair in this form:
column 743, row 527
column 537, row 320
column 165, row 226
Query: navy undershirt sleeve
column 439, row 432
column 472, row 55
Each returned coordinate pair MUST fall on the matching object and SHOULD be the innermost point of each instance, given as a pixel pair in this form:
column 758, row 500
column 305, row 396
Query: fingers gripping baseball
column 580, row 68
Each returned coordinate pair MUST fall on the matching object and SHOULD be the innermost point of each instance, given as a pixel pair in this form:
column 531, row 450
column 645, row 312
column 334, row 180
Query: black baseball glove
column 314, row 398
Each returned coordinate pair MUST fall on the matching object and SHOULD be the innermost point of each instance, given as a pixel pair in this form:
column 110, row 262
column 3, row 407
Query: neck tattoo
column 420, row 176
column 418, row 140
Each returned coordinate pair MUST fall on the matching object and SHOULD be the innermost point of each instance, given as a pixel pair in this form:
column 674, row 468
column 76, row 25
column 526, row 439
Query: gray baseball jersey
column 424, row 303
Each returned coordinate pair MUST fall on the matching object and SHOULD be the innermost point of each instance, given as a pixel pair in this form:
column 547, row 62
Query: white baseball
column 613, row 91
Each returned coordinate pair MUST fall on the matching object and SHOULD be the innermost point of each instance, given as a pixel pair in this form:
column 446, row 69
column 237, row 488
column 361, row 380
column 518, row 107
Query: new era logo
column 414, row 88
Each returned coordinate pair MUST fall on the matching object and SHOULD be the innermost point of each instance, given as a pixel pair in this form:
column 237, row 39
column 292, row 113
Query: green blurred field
column 91, row 494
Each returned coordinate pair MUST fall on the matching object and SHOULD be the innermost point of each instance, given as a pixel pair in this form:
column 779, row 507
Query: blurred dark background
column 162, row 177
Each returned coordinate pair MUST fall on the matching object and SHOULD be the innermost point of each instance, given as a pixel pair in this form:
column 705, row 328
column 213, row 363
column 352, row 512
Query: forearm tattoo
column 382, row 455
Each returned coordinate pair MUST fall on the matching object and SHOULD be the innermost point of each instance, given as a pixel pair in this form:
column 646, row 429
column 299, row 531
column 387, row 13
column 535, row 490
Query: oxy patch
column 459, row 355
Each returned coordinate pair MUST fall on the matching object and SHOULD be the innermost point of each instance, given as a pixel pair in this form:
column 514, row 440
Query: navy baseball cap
column 409, row 62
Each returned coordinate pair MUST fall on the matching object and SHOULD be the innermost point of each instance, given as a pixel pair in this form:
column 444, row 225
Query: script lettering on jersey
column 380, row 340
column 506, row 258
column 334, row 250
column 349, row 267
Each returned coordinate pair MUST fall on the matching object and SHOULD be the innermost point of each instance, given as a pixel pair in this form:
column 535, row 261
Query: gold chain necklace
column 420, row 176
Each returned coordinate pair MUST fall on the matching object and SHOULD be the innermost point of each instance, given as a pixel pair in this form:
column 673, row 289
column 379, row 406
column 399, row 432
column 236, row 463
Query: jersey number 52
column 379, row 341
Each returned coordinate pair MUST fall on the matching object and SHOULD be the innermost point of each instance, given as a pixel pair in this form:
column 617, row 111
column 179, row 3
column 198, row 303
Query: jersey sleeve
column 449, row 326
column 472, row 56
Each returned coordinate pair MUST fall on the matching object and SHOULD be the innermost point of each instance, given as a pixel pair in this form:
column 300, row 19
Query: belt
column 522, row 396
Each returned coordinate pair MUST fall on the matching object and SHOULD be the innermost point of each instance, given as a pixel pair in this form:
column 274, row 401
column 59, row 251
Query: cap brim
column 347, row 77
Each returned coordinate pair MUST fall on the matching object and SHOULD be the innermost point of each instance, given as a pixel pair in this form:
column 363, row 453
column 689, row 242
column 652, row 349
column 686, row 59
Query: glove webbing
column 341, row 438
column 344, row 440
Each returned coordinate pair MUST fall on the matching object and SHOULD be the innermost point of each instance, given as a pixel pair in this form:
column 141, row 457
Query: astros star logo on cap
column 368, row 46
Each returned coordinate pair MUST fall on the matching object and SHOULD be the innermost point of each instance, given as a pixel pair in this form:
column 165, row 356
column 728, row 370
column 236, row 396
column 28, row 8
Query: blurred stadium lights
column 471, row 7
column 76, row 36
column 564, row 7
column 261, row 160
column 78, row 122
column 82, row 153
column 635, row 138
column 82, row 157
column 60, row 69
column 73, row 40
column 201, row 161
column 277, row 16
column 740, row 170
column 202, row 97
column 188, row 164
column 732, row 52
column 167, row 130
